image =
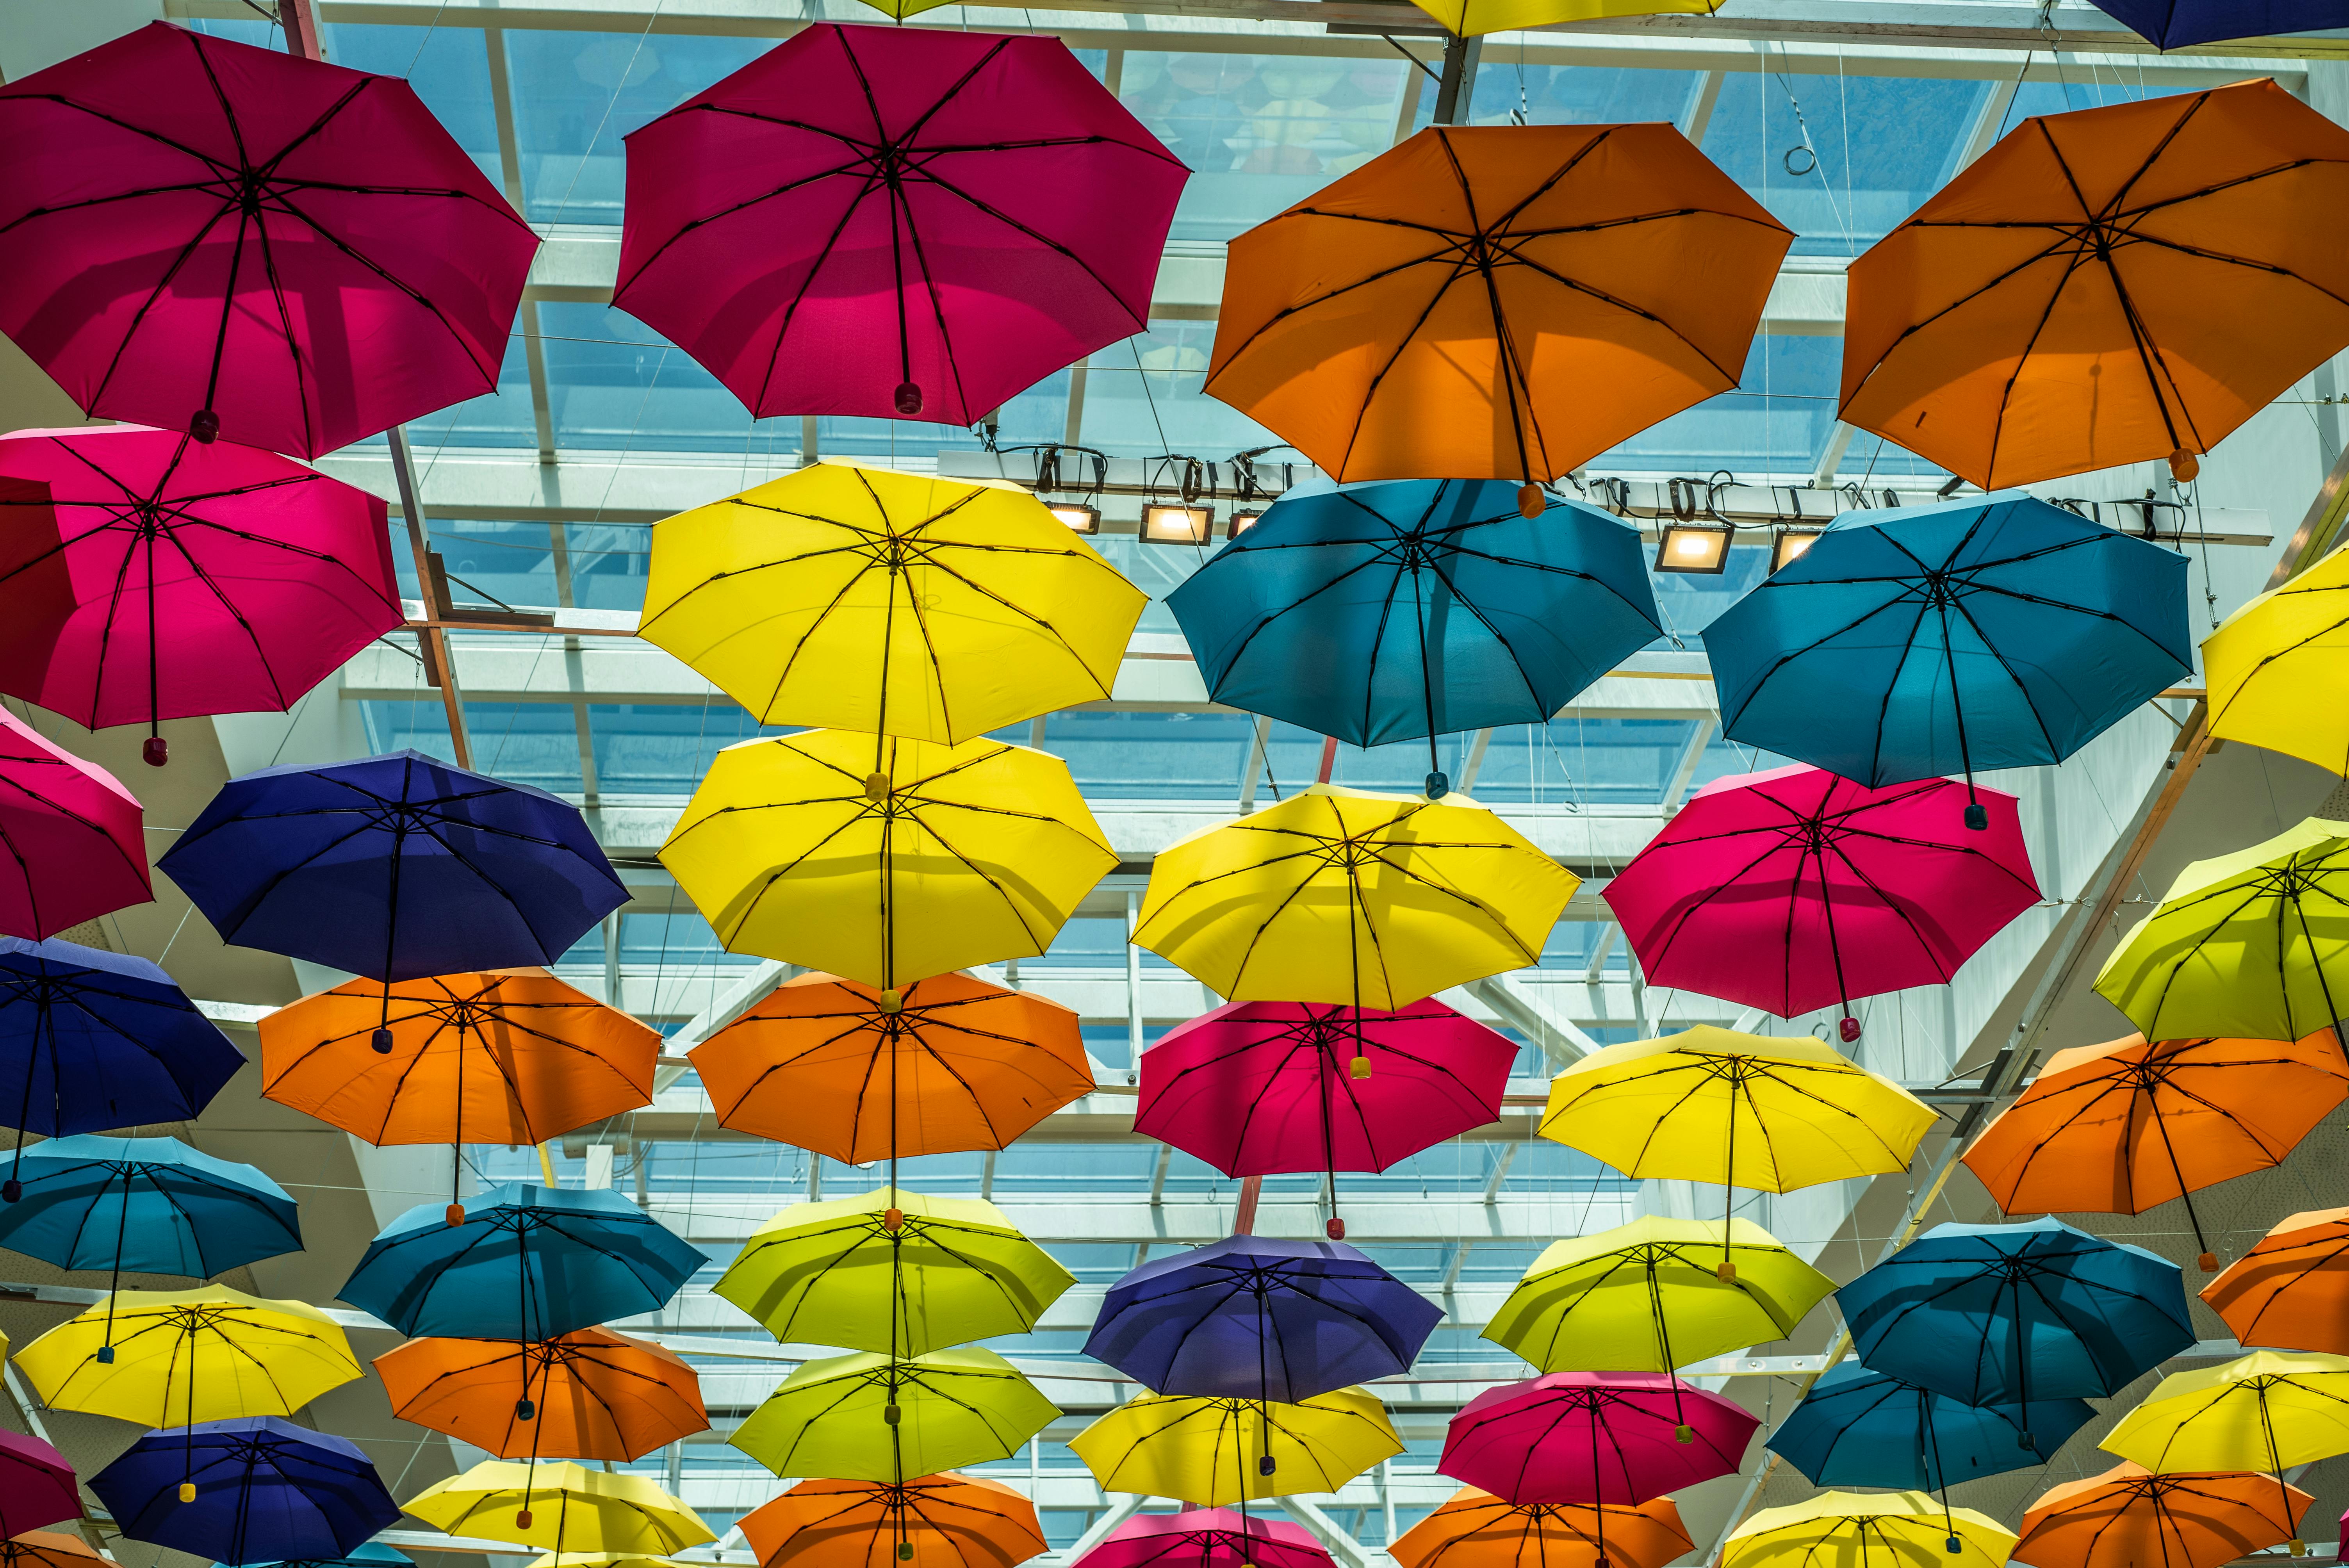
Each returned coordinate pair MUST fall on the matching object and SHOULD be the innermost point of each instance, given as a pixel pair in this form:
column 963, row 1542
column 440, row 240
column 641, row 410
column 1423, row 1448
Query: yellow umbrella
column 881, row 1418
column 886, row 860
column 869, row 599
column 1211, row 1451
column 1867, row 1530
column 1341, row 895
column 1471, row 19
column 567, row 1509
column 2278, row 668
column 174, row 1357
column 600, row 1560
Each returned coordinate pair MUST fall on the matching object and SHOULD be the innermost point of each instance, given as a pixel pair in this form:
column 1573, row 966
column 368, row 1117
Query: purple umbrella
column 1206, row 1538
column 259, row 1489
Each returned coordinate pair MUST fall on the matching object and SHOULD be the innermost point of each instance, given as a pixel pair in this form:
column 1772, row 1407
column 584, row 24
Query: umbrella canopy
column 1650, row 1296
column 2055, row 307
column 257, row 1490
column 2118, row 1128
column 893, row 1272
column 1794, row 889
column 877, row 1418
column 949, row 1520
column 960, row 1064
column 884, row 861
column 1908, row 1527
column 1473, row 1529
column 197, row 1215
column 2191, row 1519
column 1472, row 18
column 167, row 579
column 2291, row 1289
column 366, row 1554
column 573, row 1509
column 902, row 224
column 2265, row 659
column 2008, row 1315
column 2180, row 23
column 864, row 598
column 1503, row 301
column 1379, row 613
column 1860, row 1428
column 2266, row 1411
column 1207, row 1538
column 1219, row 1452
column 49, row 1549
column 506, row 1055
column 36, row 1485
column 526, row 1263
column 72, row 843
column 1263, row 1088
column 217, row 237
column 164, row 1358
column 590, row 1394
column 1950, row 638
column 1253, row 1317
column 1594, row 1438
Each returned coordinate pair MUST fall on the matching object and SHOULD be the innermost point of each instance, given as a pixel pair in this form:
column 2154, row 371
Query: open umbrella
column 2181, row 24
column 1950, row 638
column 1206, row 1538
column 164, row 1358
column 231, row 241
column 366, row 1554
column 1794, row 889
column 578, row 1510
column 1903, row 1527
column 949, row 1521
column 1474, row 19
column 2265, row 659
column 2266, row 1411
column 1217, row 1452
column 1473, row 1529
column 880, row 1418
column 254, row 1490
column 2291, row 1289
column 36, row 1485
column 1379, row 613
column 1502, row 301
column 2128, row 1516
column 1856, row 1427
column 196, row 1215
column 72, row 846
column 865, row 598
column 49, row 1549
column 1594, row 1438
column 590, row 1394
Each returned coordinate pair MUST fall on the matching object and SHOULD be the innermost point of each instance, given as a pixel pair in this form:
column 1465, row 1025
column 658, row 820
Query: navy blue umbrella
column 2017, row 1314
column 1933, row 640
column 2179, row 24
column 1857, row 1427
column 1404, row 608
column 525, row 1263
column 259, row 1489
column 1256, row 1318
column 150, row 1204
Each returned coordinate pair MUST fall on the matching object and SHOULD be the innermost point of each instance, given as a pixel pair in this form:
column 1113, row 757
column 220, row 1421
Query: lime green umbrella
column 893, row 1271
column 883, row 1418
column 2252, row 945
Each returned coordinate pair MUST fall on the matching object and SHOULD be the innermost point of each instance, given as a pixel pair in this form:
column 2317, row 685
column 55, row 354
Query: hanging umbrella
column 526, row 1263
column 1381, row 613
column 251, row 1490
column 2011, row 1315
column 164, row 1357
column 171, row 580
column 229, row 241
column 197, row 1215
column 2126, row 1516
column 878, row 1417
column 366, row 1554
column 602, row 1560
column 1860, row 1428
column 1474, row 19
column 49, row 1549
column 1594, row 1438
column 2181, row 24
column 36, row 1485
column 2265, row 1411
column 1794, row 889
column 1218, row 1452
column 960, row 1064
column 2291, row 1289
column 1950, row 638
column 885, row 861
column 2265, row 659
column 1473, row 1529
column 1505, row 302
column 937, row 609
column 2119, row 1128
column 1206, row 1538
column 893, row 1271
column 1253, row 1317
column 947, row 1521
column 590, row 1394
column 579, row 1510
column 1265, row 1088
column 1907, row 1527
column 904, row 224
column 72, row 845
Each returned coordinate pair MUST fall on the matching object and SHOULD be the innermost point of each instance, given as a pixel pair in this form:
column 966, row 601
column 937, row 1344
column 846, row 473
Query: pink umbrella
column 36, row 1485
column 1206, row 1538
column 1793, row 889
column 153, row 578
column 225, row 239
column 1605, row 1438
column 904, row 222
column 71, row 844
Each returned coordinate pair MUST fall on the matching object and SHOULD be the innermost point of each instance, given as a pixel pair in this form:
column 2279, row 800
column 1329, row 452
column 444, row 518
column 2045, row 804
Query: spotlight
column 1701, row 547
column 1080, row 519
column 1790, row 543
column 1240, row 523
column 1171, row 522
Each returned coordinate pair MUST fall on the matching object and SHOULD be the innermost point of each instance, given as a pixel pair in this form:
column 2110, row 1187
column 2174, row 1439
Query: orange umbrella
column 945, row 1520
column 2292, row 1290
column 967, row 1064
column 588, row 1395
column 2111, row 285
column 1502, row 301
column 48, row 1549
column 2118, row 1128
column 1476, row 1530
column 503, row 1055
column 2127, row 1518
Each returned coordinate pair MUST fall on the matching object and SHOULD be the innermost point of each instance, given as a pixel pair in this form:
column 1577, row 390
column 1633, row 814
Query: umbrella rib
column 799, row 295
column 2054, row 247
column 260, row 655
column 783, row 189
column 1459, row 270
column 1140, row 318
column 1435, row 258
column 2201, row 253
column 899, row 197
column 1729, row 377
column 489, row 372
column 154, row 297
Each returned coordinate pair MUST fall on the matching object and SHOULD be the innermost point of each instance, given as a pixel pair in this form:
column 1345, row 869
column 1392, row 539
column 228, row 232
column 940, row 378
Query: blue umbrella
column 526, row 1263
column 2180, row 23
column 1390, row 611
column 1256, row 1318
column 260, row 1490
column 1857, row 1427
column 1932, row 640
column 150, row 1204
column 369, row 1555
column 2017, row 1314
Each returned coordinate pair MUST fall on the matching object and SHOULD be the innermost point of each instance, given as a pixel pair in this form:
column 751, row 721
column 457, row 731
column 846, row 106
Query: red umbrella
column 1794, row 889
column 979, row 203
column 221, row 239
column 36, row 1485
column 71, row 844
column 168, row 579
column 1609, row 1438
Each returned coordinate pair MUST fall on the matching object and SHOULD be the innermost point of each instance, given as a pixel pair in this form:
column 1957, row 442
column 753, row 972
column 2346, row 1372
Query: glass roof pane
column 1511, row 92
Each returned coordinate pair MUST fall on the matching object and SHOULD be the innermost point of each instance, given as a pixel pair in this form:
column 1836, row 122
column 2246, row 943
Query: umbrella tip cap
column 905, row 1551
column 1684, row 1433
column 1335, row 1230
column 11, row 1190
column 379, row 1042
column 1359, row 1068
column 187, row 1492
column 1439, row 784
column 522, row 1518
column 203, row 426
column 907, row 398
column 1724, row 1271
column 2183, row 466
column 2209, row 1261
column 455, row 1214
column 1952, row 1545
column 156, row 752
column 1849, row 1028
column 1530, row 501
column 892, row 1219
column 524, row 1411
column 893, row 1001
column 1977, row 816
column 2299, row 1547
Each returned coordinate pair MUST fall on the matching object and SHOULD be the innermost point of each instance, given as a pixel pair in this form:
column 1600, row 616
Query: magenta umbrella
column 1794, row 889
column 71, row 843
column 221, row 239
column 153, row 578
column 910, row 223
column 36, row 1485
column 1206, row 1538
column 1605, row 1438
